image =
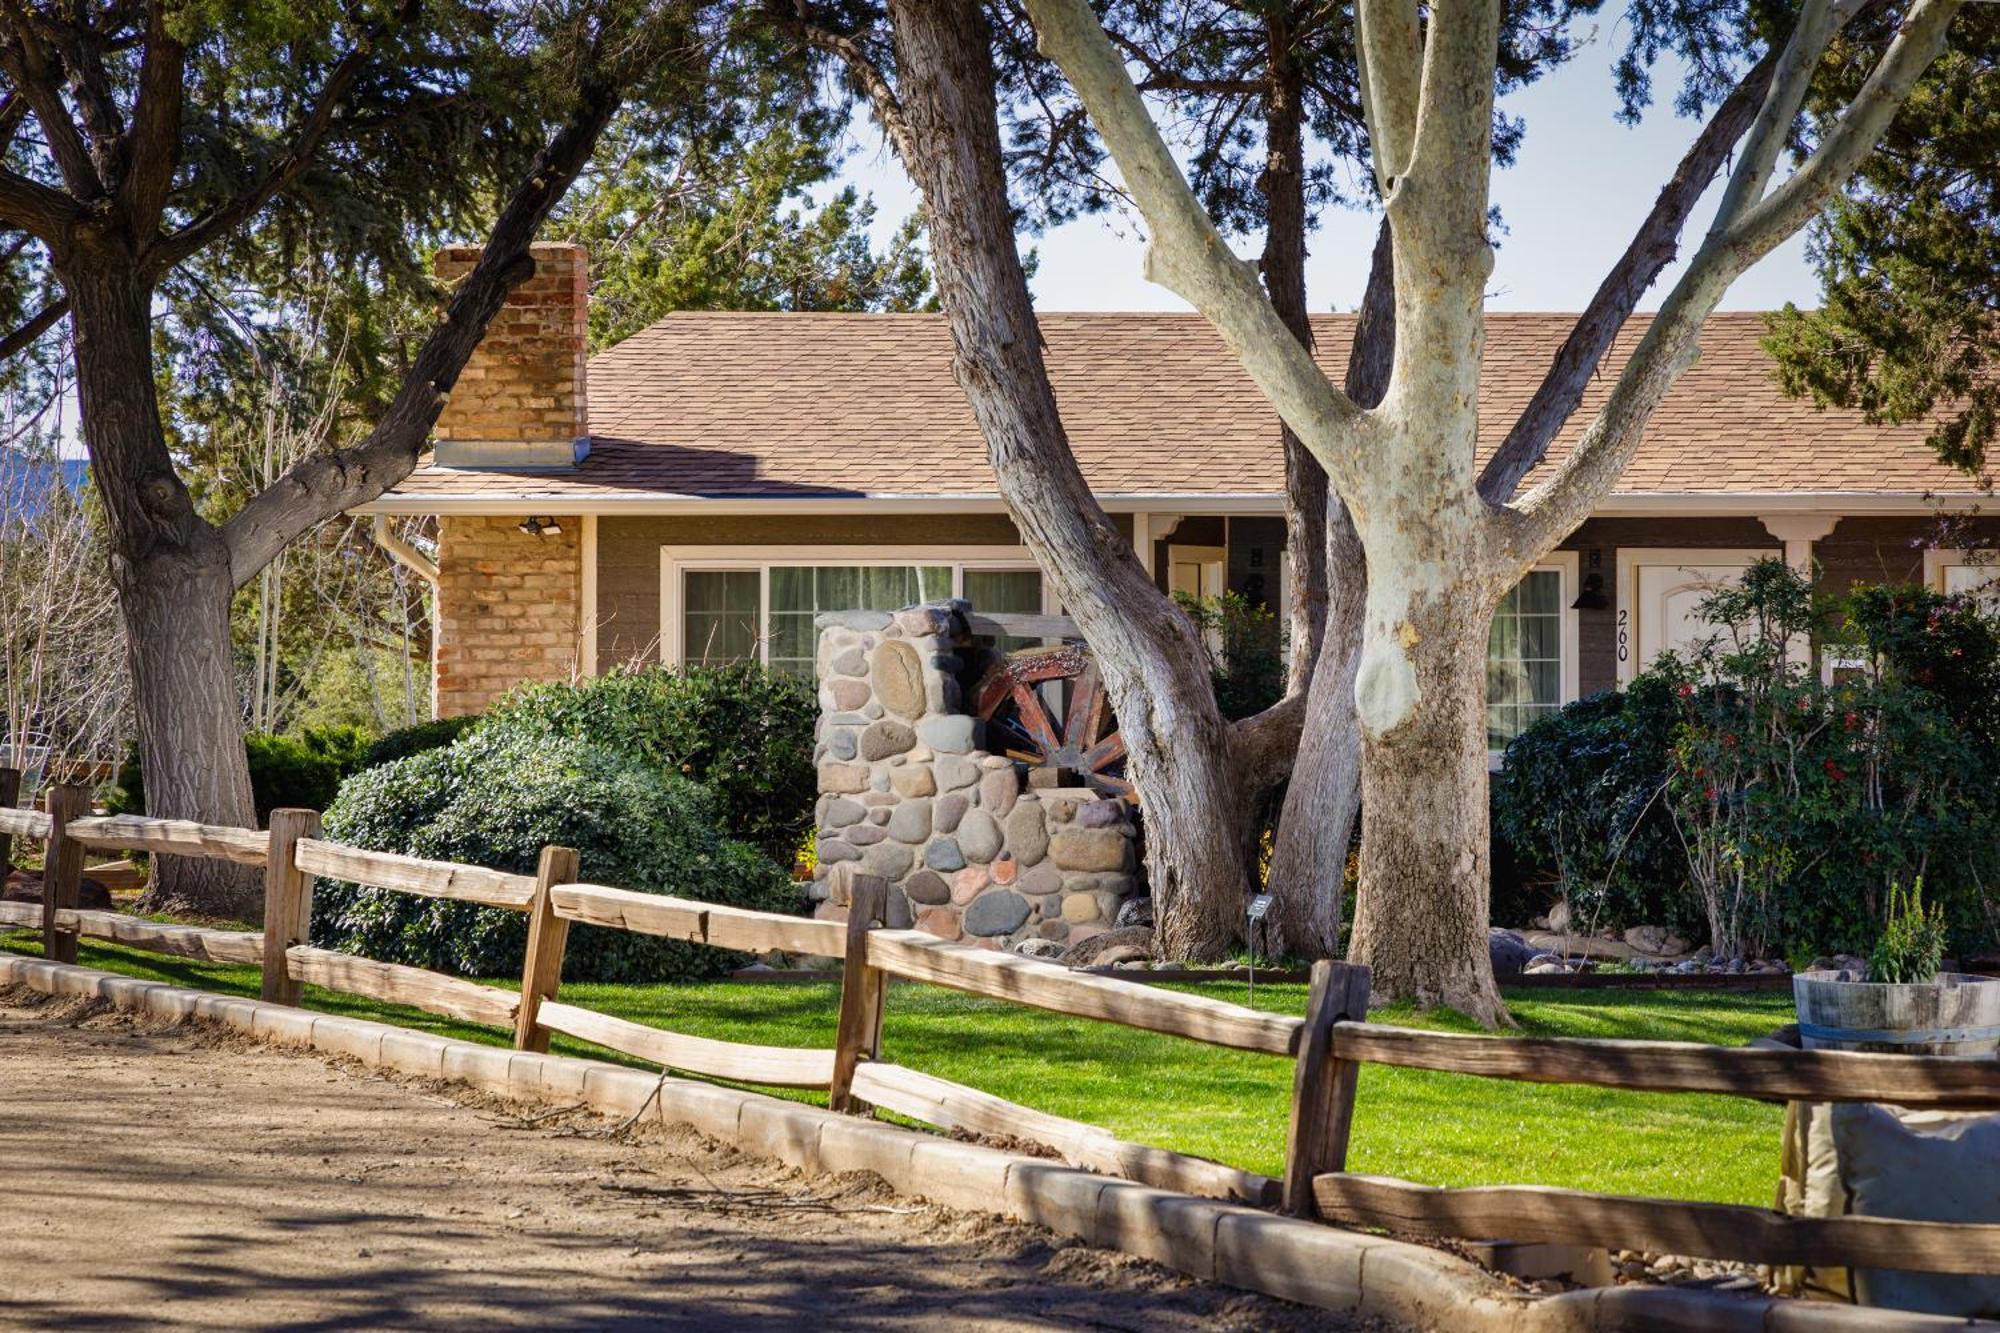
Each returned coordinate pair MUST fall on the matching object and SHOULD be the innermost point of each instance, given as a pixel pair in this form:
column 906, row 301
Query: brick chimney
column 520, row 401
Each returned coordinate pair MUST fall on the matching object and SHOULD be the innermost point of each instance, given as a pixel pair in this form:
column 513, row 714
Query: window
column 1524, row 657
column 717, row 606
column 1531, row 651
column 1974, row 572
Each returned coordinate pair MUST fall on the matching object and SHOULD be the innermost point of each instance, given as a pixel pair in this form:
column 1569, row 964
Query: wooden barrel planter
column 1956, row 1014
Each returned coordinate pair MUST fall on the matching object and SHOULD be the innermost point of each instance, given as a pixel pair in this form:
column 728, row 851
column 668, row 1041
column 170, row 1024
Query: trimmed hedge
column 743, row 732
column 495, row 798
column 406, row 741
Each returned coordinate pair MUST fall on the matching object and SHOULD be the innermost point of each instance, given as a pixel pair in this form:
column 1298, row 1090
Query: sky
column 1579, row 187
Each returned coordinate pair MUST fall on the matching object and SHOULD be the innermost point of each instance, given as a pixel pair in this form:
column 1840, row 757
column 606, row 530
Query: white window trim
column 1937, row 561
column 1632, row 558
column 678, row 560
column 1567, row 565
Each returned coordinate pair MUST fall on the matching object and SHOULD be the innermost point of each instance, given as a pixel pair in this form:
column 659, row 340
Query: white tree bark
column 1439, row 554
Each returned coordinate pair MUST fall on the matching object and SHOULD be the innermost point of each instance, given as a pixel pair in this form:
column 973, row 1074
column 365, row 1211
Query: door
column 1196, row 570
column 1658, row 593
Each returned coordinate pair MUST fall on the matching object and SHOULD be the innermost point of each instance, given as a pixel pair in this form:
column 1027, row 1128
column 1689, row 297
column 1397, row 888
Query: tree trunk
column 1153, row 662
column 174, row 585
column 1421, row 922
column 1309, row 858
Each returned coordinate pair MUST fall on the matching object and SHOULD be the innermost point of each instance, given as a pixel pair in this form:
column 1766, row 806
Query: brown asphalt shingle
column 740, row 406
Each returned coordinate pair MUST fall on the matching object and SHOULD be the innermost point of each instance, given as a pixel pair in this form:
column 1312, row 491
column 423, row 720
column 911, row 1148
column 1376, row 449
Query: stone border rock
column 1295, row 1260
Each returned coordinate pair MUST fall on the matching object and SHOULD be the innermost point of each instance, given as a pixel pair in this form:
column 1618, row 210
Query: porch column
column 1142, row 540
column 1798, row 532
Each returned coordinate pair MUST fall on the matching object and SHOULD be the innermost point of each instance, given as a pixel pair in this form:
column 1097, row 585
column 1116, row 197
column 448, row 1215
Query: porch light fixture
column 541, row 527
column 1592, row 597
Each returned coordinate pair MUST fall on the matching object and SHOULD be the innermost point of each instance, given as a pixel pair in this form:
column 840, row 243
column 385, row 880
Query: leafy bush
column 1246, row 651
column 743, row 732
column 1912, row 945
column 1582, row 793
column 495, row 798
column 304, row 770
column 431, row 735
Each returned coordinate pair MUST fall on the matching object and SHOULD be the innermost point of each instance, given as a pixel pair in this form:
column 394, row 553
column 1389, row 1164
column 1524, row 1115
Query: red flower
column 1684, row 690
column 1868, row 858
column 1711, row 793
column 1835, row 771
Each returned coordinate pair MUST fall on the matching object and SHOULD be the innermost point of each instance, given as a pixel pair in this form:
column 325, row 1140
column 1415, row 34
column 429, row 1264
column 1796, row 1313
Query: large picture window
column 717, row 609
column 1531, row 653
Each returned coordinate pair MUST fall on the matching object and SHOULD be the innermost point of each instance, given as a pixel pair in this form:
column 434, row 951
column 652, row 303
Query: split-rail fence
column 1327, row 1046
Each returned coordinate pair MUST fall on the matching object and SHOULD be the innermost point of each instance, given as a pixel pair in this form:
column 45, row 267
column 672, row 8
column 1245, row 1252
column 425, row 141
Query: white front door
column 1658, row 593
column 1196, row 570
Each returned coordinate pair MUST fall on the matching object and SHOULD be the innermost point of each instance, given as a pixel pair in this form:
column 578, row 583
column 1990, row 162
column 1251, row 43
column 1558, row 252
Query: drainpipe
column 404, row 554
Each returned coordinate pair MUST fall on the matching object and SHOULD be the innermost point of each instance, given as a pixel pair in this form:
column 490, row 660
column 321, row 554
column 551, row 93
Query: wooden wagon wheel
column 1021, row 725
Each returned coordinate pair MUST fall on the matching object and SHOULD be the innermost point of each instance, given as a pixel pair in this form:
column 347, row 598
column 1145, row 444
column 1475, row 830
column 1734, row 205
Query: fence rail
column 1327, row 1047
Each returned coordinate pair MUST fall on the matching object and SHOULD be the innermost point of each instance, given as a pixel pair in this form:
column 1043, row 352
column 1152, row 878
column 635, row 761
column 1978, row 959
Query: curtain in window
column 800, row 592
column 719, row 616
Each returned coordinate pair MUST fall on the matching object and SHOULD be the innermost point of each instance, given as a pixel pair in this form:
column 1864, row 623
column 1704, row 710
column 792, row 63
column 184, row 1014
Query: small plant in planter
column 1906, row 1005
column 1911, row 949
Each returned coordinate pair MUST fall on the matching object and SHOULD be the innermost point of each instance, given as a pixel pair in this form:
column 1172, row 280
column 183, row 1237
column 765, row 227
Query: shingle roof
column 730, row 406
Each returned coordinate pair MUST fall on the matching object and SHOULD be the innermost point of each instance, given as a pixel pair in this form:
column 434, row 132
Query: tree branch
column 1652, row 248
column 1670, row 346
column 35, row 208
column 320, row 486
column 151, row 147
column 43, row 320
column 281, row 173
column 861, row 68
column 32, row 66
column 1389, row 61
column 1186, row 253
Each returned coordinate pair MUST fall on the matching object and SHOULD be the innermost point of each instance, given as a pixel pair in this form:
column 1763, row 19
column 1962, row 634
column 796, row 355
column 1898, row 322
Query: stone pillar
column 907, row 792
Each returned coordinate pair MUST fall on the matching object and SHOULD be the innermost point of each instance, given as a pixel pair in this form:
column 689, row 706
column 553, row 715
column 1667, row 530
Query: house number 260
column 1624, row 634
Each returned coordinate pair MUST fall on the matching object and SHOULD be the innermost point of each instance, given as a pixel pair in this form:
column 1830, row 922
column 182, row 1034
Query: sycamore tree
column 1444, row 536
column 144, row 143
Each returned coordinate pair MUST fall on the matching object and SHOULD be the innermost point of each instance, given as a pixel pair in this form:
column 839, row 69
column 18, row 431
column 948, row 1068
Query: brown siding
column 506, row 609
column 1891, row 550
column 628, row 557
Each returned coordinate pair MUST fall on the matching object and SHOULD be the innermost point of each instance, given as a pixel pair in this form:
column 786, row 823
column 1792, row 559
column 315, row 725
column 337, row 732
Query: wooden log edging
column 1306, row 1262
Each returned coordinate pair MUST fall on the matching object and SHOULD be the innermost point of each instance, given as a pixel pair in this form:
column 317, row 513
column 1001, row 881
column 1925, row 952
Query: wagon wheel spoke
column 1106, row 753
column 1104, row 782
column 1085, row 720
column 1033, row 718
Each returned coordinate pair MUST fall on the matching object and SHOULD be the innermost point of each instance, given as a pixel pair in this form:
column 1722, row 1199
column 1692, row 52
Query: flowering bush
column 1799, row 802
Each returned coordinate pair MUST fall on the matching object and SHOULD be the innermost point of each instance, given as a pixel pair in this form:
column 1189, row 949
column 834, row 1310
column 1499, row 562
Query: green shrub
column 495, row 798
column 1248, row 671
column 1912, row 945
column 743, row 732
column 1581, row 795
column 431, row 735
column 302, row 771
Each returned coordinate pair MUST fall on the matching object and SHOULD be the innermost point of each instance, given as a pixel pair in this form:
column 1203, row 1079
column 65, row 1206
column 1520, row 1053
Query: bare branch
column 1389, row 55
column 1186, row 253
column 1652, row 248
column 43, row 320
column 323, row 485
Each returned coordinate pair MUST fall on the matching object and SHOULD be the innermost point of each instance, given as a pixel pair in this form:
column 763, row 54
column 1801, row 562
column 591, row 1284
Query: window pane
column 719, row 616
column 1524, row 657
column 800, row 592
column 1006, row 592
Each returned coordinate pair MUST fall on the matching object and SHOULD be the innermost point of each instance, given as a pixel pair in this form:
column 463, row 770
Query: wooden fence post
column 548, row 936
column 1322, row 1087
column 287, row 903
column 10, row 792
column 62, row 869
column 862, row 988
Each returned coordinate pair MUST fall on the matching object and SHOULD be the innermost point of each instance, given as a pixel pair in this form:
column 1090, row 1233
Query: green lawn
column 1442, row 1129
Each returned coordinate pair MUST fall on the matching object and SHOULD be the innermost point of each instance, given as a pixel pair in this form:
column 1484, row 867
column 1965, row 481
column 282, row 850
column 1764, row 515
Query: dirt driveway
column 158, row 1176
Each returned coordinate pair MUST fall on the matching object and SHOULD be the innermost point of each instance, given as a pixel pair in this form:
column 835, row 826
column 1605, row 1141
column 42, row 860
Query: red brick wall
column 506, row 609
column 525, row 383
